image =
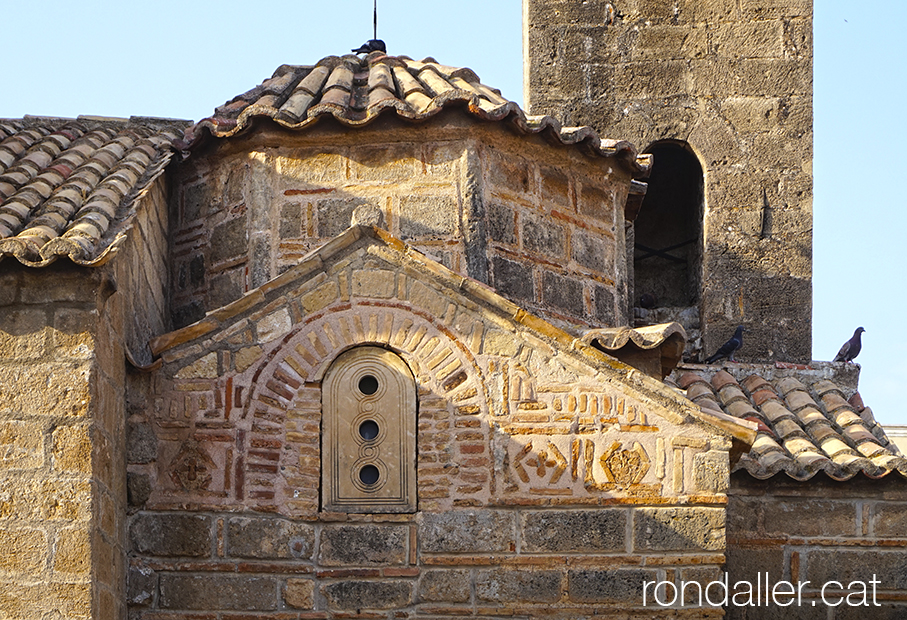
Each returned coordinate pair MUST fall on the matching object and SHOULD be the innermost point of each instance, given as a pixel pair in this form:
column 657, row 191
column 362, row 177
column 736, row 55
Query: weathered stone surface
column 890, row 519
column 300, row 593
column 623, row 585
column 141, row 443
column 509, row 586
column 711, row 472
column 138, row 488
column 373, row 283
column 467, row 531
column 428, row 216
column 583, row 531
column 513, row 280
column 542, row 236
column 678, row 529
column 362, row 545
column 72, row 552
column 268, row 537
column 275, row 325
column 823, row 518
column 450, row 586
column 227, row 592
column 171, row 534
column 229, row 240
column 23, row 550
column 889, row 567
column 21, row 444
column 141, row 585
column 72, row 449
column 502, row 223
column 320, row 297
column 387, row 594
column 563, row 293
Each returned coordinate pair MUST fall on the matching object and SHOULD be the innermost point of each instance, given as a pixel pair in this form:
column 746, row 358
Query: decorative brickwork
column 521, row 429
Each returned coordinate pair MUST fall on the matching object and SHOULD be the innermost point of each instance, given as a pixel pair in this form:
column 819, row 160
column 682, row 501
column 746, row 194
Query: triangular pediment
column 551, row 415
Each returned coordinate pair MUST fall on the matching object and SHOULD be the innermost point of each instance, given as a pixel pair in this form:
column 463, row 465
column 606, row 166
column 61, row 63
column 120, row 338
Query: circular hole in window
column 368, row 385
column 368, row 430
column 368, row 475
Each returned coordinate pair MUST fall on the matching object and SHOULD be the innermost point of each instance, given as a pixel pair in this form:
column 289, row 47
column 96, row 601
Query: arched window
column 667, row 257
column 368, row 451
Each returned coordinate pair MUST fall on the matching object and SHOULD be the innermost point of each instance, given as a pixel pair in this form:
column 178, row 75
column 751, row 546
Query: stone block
column 555, row 187
column 229, row 239
column 751, row 39
column 268, row 538
column 23, row 334
column 591, row 251
column 72, row 552
column 889, row 520
column 203, row 368
column 603, row 305
column 275, row 325
column 321, row 297
column 519, row 586
column 218, row 592
column 563, row 293
column 512, row 279
column 299, row 593
column 260, row 270
column 373, row 283
column 335, row 214
column 813, row 517
column 23, row 551
column 362, row 545
column 574, row 531
column 171, row 534
column 385, row 162
column 596, row 202
column 427, row 298
column 225, row 288
column 542, row 236
column 502, row 224
column 678, row 529
column 428, row 216
column 21, row 444
column 746, row 563
column 52, row 500
column 711, row 472
column 889, row 567
column 141, row 443
column 386, row 594
column 447, row 586
column 72, row 449
column 72, row 335
column 141, row 584
column 467, row 531
column 138, row 488
column 245, row 357
column 508, row 174
column 620, row 585
column 291, row 220
column 196, row 199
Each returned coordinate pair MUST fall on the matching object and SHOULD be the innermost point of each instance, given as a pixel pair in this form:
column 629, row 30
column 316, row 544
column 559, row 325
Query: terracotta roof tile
column 807, row 423
column 356, row 90
column 68, row 186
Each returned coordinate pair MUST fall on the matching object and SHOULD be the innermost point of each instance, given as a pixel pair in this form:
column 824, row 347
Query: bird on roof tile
column 728, row 348
column 372, row 45
column 851, row 348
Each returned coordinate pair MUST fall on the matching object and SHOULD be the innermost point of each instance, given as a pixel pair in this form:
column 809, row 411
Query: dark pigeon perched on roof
column 728, row 348
column 372, row 45
column 851, row 348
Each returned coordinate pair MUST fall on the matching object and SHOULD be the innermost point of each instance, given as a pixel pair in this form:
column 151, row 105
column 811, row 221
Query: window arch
column 369, row 439
column 667, row 257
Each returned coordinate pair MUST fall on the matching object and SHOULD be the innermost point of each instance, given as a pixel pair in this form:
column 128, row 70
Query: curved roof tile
column 68, row 186
column 356, row 90
column 803, row 429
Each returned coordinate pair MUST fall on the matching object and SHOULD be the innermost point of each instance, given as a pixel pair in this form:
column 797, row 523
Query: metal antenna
column 376, row 20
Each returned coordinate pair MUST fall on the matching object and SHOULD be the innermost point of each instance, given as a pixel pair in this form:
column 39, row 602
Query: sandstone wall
column 63, row 337
column 548, row 484
column 733, row 79
column 541, row 223
column 821, row 531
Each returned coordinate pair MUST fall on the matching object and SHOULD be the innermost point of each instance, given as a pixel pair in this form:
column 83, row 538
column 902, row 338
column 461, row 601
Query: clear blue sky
column 182, row 59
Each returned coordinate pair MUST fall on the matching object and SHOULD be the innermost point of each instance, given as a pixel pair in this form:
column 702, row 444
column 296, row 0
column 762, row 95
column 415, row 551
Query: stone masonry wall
column 541, row 223
column 733, row 79
column 64, row 332
column 549, row 484
column 821, row 531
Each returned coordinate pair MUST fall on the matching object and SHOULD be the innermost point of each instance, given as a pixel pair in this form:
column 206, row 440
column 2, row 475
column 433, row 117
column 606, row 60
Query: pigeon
column 851, row 348
column 372, row 45
column 728, row 348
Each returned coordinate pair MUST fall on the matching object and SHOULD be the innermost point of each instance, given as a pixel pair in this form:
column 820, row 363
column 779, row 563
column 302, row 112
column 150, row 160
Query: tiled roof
column 68, row 186
column 806, row 424
column 356, row 90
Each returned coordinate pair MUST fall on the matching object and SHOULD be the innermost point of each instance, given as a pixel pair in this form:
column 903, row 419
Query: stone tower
column 720, row 92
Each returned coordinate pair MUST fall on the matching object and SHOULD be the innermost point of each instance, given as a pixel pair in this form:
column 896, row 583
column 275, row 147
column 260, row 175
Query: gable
column 511, row 409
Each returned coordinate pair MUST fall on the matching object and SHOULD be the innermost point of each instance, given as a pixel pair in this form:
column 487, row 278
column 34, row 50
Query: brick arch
column 283, row 413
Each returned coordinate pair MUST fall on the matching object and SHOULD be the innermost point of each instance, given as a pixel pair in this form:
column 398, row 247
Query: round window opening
column 368, row 475
column 368, row 430
column 368, row 385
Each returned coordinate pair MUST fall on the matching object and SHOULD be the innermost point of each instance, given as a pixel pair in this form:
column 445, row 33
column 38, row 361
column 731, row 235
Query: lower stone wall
column 821, row 532
column 497, row 562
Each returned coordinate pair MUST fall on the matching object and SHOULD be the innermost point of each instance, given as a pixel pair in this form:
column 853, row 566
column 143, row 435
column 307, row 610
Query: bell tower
column 720, row 92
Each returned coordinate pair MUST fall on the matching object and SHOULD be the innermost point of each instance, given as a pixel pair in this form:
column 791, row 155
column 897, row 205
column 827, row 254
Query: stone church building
column 372, row 341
